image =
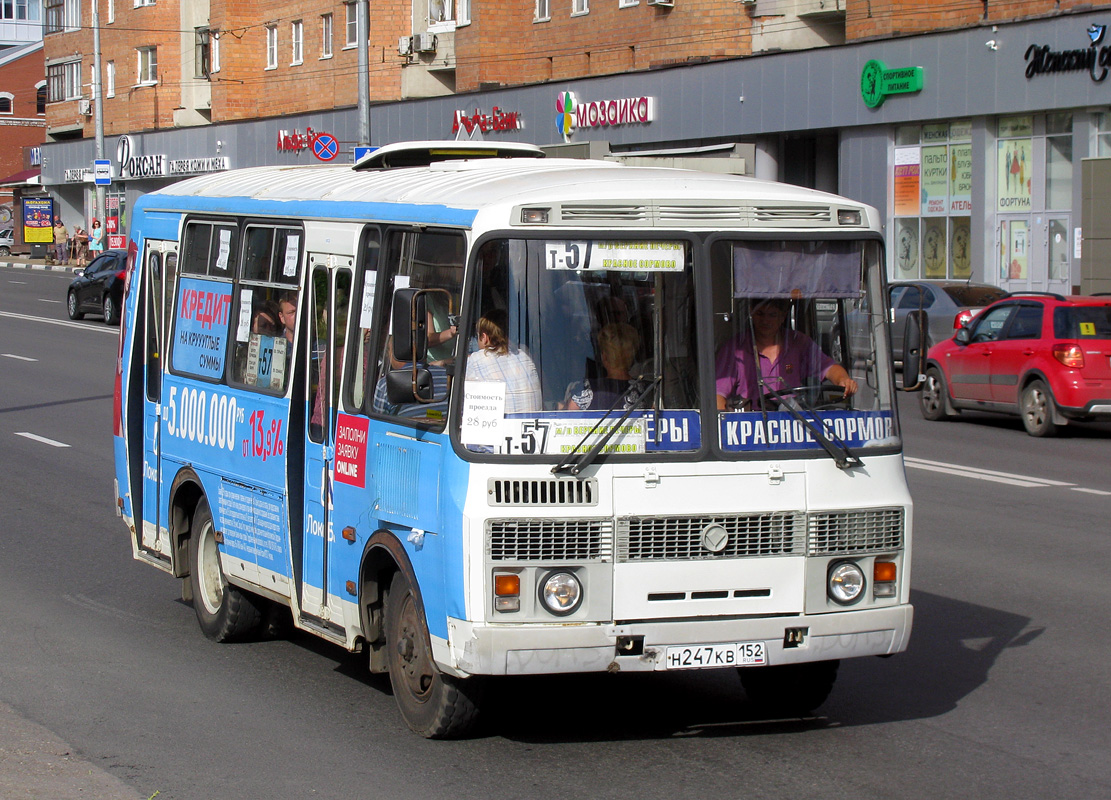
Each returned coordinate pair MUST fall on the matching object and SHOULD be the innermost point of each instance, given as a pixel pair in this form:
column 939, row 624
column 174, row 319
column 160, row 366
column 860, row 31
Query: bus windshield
column 570, row 335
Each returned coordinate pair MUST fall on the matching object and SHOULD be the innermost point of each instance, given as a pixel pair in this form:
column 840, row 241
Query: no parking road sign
column 325, row 147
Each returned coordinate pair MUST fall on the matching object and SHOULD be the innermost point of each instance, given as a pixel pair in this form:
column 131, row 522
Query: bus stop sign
column 102, row 172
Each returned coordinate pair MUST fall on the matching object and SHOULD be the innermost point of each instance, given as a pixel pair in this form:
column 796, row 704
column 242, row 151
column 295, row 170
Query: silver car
column 950, row 304
column 7, row 242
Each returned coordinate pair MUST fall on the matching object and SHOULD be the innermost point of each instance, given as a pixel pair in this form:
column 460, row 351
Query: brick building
column 918, row 108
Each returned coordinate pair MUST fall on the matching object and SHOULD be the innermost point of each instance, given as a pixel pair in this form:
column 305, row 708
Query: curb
column 46, row 267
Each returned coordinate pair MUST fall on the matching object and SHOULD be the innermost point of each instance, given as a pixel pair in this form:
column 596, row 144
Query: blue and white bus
column 482, row 413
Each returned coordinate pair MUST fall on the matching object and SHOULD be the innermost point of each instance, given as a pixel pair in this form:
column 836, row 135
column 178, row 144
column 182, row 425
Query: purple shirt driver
column 800, row 362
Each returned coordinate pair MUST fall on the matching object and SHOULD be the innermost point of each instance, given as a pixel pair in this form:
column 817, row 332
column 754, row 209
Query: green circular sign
column 871, row 83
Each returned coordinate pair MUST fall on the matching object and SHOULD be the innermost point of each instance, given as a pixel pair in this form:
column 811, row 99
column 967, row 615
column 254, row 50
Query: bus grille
column 542, row 492
column 549, row 539
column 680, row 538
column 855, row 531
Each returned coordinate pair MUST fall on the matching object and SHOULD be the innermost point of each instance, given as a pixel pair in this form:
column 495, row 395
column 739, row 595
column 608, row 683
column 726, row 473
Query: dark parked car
column 950, row 304
column 98, row 289
column 1044, row 357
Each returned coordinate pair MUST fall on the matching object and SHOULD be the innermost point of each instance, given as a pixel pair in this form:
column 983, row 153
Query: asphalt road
column 1003, row 692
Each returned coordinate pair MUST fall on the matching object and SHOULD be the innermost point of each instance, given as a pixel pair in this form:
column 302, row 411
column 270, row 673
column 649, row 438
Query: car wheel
column 795, row 689
column 934, row 399
column 71, row 306
column 225, row 613
column 435, row 705
column 5, row 251
column 1037, row 409
column 111, row 313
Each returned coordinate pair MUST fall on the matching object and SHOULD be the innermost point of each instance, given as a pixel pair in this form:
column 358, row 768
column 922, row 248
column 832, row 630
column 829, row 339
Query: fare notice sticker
column 483, row 413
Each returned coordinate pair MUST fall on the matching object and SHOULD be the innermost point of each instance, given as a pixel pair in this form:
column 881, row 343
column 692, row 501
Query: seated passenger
column 788, row 359
column 495, row 360
column 617, row 346
column 267, row 320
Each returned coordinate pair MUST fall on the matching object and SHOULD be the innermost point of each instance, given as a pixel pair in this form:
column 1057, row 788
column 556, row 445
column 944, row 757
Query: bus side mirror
column 410, row 323
column 914, row 350
column 409, row 385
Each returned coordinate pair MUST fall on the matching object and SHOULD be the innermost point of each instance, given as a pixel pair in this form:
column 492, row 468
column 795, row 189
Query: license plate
column 705, row 656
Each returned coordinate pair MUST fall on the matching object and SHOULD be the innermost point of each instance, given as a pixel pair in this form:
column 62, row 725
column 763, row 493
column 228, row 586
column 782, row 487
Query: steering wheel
column 814, row 397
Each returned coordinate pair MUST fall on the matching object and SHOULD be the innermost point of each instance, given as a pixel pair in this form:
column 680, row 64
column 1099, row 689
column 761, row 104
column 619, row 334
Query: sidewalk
column 37, row 765
column 26, row 262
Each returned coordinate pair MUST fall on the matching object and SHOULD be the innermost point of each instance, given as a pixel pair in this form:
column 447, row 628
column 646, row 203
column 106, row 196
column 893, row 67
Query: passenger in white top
column 495, row 360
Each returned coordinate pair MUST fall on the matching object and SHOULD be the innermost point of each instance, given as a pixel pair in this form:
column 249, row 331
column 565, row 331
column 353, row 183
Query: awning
column 29, row 177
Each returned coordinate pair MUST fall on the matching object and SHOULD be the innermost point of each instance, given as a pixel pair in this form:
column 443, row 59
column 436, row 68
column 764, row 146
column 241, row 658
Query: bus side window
column 360, row 366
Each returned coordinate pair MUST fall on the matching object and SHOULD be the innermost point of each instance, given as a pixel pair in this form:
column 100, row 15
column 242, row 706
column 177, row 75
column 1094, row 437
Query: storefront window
column 1103, row 135
column 932, row 191
column 1058, row 161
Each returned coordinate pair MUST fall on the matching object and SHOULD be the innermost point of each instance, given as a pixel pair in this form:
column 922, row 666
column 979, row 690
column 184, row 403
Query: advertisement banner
column 38, row 220
column 1015, row 175
column 935, row 181
column 960, row 179
column 907, row 167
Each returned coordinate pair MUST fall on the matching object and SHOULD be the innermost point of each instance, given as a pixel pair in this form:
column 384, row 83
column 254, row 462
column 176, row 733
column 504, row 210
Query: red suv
column 1044, row 357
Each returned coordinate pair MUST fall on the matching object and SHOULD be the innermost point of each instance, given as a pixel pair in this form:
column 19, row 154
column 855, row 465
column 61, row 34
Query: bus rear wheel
column 794, row 689
column 435, row 705
column 225, row 612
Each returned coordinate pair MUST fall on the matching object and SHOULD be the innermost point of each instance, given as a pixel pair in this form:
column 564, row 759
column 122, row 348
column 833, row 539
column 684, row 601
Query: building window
column 580, row 7
column 20, row 10
column 62, row 15
column 110, row 79
column 203, row 53
column 352, row 11
column 439, row 11
column 6, row 103
column 325, row 35
column 139, row 3
column 297, row 38
column 462, row 12
column 63, row 81
column 627, row 3
column 543, row 11
column 932, row 191
column 1058, row 161
column 271, row 47
column 111, row 11
column 40, row 99
column 148, row 66
column 214, row 52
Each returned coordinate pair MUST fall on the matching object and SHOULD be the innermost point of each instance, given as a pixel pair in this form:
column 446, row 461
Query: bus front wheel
column 795, row 689
column 225, row 612
column 435, row 705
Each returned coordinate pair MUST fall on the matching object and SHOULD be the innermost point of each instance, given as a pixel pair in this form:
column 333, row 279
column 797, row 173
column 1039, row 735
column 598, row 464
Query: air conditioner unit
column 85, row 107
column 404, row 45
column 665, row 3
column 425, row 43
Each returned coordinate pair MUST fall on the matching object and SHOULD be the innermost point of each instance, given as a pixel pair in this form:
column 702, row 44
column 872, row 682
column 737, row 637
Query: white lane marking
column 42, row 439
column 62, row 322
column 22, row 283
column 18, row 358
column 1091, row 491
column 44, row 300
column 982, row 474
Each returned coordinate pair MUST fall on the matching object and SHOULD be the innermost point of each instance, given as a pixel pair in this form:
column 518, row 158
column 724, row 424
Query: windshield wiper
column 842, row 456
column 575, row 466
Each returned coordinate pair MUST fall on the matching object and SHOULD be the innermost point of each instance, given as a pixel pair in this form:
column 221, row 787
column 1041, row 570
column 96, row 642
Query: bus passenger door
column 328, row 294
column 159, row 273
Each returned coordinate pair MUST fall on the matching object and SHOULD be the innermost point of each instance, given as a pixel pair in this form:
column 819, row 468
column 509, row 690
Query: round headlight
column 846, row 583
column 561, row 593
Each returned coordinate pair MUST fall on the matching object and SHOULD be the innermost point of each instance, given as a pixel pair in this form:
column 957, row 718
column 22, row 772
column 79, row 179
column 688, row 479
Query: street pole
column 362, row 25
column 98, row 112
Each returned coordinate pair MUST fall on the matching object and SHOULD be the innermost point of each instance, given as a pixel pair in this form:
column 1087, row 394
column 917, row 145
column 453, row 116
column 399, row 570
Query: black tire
column 111, row 313
column 934, row 397
column 225, row 613
column 5, row 251
column 1038, row 409
column 435, row 705
column 791, row 689
column 71, row 307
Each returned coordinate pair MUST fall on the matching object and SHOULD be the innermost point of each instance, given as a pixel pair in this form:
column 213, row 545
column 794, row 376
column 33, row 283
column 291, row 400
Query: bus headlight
column 561, row 593
column 846, row 583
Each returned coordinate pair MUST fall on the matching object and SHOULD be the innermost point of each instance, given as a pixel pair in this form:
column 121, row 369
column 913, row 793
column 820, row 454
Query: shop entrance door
column 1058, row 242
column 1020, row 250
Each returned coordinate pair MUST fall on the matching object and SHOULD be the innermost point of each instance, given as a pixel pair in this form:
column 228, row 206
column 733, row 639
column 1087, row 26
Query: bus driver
column 788, row 359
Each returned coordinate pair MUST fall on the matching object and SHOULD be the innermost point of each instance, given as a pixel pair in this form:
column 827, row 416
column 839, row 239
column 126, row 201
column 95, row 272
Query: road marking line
column 18, row 358
column 21, row 283
column 44, row 300
column 983, row 474
column 1091, row 491
column 42, row 439
column 994, row 478
column 62, row 322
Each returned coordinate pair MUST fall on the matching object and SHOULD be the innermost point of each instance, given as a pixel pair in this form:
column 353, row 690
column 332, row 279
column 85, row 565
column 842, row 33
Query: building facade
column 966, row 130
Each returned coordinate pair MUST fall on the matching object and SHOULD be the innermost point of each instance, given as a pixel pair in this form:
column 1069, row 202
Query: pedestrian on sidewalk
column 61, row 242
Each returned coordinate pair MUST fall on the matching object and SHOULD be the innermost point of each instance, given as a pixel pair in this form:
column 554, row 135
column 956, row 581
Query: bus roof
column 602, row 191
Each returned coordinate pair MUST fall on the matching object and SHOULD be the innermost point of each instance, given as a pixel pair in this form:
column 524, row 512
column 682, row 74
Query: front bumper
column 483, row 649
